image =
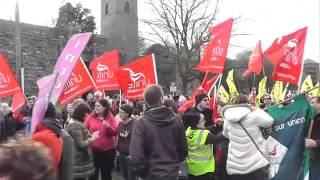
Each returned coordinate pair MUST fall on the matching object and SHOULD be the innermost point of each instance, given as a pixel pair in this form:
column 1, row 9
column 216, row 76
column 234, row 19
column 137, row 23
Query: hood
column 162, row 116
column 53, row 124
column 234, row 113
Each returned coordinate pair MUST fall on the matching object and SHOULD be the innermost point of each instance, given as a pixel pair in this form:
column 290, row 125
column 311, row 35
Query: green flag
column 285, row 139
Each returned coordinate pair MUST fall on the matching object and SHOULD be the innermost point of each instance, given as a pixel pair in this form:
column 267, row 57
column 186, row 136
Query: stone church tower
column 119, row 23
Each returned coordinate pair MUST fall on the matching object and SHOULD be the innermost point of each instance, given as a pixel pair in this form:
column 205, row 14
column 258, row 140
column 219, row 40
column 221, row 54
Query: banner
column 316, row 91
column 306, row 85
column 51, row 86
column 67, row 61
column 255, row 62
column 8, row 82
column 214, row 56
column 104, row 70
column 286, row 54
column 284, row 92
column 79, row 83
column 277, row 91
column 18, row 101
column 46, row 85
column 224, row 95
column 232, row 86
column 135, row 76
column 262, row 90
column 285, row 138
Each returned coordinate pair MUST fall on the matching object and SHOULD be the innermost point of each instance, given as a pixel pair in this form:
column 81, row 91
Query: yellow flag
column 232, row 87
column 277, row 91
column 284, row 92
column 316, row 91
column 224, row 95
column 307, row 84
column 262, row 90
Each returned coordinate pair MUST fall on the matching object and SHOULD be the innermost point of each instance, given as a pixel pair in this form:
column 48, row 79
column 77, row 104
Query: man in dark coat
column 158, row 141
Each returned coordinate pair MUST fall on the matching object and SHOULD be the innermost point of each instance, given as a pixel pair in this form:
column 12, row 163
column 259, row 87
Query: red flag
column 135, row 76
column 255, row 62
column 104, row 70
column 8, row 82
column 79, row 83
column 18, row 101
column 214, row 106
column 204, row 88
column 205, row 85
column 214, row 56
column 186, row 106
column 286, row 54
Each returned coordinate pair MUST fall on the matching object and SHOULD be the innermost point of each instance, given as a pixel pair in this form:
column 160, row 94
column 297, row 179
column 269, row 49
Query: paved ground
column 116, row 176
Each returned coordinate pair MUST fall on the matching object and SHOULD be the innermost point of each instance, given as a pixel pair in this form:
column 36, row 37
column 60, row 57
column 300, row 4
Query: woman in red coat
column 104, row 147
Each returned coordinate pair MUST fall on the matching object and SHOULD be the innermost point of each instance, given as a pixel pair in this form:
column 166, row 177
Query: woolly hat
column 199, row 97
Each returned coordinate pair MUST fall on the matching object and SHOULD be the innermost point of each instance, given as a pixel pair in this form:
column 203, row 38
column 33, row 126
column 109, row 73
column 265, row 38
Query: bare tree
column 182, row 27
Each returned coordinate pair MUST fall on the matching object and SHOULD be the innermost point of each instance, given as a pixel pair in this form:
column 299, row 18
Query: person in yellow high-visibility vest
column 200, row 159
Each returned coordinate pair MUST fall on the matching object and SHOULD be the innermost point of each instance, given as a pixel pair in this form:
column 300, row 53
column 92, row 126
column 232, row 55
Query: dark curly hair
column 80, row 111
column 106, row 105
column 191, row 119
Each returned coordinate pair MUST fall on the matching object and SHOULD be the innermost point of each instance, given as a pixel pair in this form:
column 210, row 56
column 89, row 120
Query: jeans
column 126, row 167
column 314, row 171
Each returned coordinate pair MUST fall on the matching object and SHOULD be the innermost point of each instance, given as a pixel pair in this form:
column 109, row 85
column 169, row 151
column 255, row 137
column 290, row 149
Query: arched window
column 106, row 10
column 127, row 7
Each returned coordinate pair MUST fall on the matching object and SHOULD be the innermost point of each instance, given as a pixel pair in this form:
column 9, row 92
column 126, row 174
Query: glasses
column 205, row 99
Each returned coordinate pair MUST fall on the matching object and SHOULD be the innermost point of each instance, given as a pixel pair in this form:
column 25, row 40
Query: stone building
column 41, row 47
column 311, row 68
column 119, row 23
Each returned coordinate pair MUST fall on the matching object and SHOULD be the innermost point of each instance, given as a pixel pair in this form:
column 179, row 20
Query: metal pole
column 18, row 43
column 22, row 79
column 254, row 80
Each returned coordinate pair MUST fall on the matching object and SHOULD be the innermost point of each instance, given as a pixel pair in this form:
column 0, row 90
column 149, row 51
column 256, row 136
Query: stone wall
column 40, row 49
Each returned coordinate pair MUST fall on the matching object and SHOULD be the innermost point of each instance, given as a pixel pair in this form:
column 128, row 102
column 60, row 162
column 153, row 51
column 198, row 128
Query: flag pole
column 214, row 84
column 254, row 79
column 302, row 65
column 310, row 128
column 301, row 73
column 286, row 100
column 120, row 99
column 18, row 43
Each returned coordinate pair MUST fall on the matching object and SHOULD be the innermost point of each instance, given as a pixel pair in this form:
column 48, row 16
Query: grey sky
column 267, row 19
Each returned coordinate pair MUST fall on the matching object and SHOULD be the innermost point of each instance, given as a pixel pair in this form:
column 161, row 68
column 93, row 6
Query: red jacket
column 106, row 141
column 51, row 140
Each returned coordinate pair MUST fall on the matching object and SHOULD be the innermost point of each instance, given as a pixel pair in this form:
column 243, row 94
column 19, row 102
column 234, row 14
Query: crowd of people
column 150, row 139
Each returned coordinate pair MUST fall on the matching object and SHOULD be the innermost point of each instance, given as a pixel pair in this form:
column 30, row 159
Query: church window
column 127, row 7
column 106, row 9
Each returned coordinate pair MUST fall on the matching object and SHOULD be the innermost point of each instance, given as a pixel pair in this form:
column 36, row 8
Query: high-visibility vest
column 200, row 159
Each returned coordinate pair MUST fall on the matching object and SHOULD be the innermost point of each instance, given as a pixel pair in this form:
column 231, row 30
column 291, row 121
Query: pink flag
column 67, row 62
column 40, row 106
column 50, row 87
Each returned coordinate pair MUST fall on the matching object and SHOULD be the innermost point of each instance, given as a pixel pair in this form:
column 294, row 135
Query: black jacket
column 158, row 144
column 8, row 127
column 315, row 153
